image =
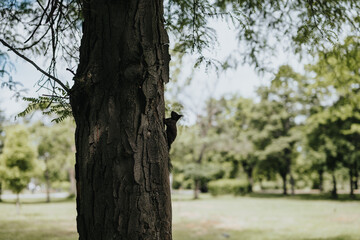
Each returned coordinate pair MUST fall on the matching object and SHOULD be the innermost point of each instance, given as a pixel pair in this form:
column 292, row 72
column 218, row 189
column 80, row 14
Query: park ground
column 258, row 216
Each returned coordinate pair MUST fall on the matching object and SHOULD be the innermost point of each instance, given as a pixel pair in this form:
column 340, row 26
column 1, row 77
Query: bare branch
column 35, row 65
column 70, row 70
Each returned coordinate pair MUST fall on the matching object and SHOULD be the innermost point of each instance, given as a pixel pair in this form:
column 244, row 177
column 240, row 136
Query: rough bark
column 123, row 189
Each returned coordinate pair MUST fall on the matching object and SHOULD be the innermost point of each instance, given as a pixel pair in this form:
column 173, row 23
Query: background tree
column 18, row 159
column 55, row 146
column 336, row 76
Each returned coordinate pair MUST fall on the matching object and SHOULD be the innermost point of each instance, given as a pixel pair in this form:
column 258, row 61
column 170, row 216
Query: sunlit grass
column 266, row 218
column 228, row 217
column 38, row 221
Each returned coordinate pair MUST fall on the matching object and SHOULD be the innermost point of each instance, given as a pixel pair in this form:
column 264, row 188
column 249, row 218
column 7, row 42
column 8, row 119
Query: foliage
column 228, row 186
column 332, row 129
column 55, row 146
column 18, row 159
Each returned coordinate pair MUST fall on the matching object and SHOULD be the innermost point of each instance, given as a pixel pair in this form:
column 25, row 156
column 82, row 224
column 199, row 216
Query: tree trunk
column 122, row 174
column 17, row 203
column 47, row 180
column 250, row 180
column 334, row 190
column 72, row 180
column 292, row 183
column 321, row 180
column 351, row 183
column 196, row 188
column 0, row 191
column 48, row 186
column 356, row 176
column 284, row 184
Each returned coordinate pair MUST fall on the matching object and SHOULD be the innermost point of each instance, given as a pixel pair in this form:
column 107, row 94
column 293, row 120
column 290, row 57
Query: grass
column 38, row 221
column 254, row 217
column 266, row 218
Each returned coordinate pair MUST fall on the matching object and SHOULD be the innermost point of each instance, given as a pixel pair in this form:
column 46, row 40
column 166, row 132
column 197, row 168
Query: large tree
column 117, row 98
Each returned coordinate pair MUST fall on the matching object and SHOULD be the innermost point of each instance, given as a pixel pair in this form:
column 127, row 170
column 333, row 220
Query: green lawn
column 227, row 217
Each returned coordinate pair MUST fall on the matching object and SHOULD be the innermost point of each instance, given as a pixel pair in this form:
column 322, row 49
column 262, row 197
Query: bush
column 228, row 186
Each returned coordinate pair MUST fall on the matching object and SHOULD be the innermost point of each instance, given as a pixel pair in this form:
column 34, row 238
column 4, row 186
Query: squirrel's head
column 175, row 116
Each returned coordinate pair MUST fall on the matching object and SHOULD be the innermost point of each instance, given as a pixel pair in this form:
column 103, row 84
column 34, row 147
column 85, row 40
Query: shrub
column 228, row 186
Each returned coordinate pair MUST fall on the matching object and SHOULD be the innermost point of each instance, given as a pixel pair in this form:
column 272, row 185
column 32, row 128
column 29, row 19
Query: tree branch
column 36, row 66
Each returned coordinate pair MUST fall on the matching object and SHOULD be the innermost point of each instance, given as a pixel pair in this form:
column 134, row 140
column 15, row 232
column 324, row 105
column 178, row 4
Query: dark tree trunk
column 249, row 174
column 356, row 176
column 0, row 191
column 321, row 180
column 47, row 180
column 197, row 182
column 122, row 174
column 292, row 183
column 196, row 188
column 351, row 182
column 334, row 190
column 283, row 177
column 235, row 169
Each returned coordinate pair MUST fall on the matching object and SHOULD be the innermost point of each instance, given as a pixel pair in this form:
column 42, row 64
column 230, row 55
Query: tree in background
column 18, row 159
column 336, row 125
column 55, row 145
column 232, row 127
column 117, row 98
column 273, row 123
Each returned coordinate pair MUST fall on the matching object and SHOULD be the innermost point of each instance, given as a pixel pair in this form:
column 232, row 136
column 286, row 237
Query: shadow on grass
column 322, row 196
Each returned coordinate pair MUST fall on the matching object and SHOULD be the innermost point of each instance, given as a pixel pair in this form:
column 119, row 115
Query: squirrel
column 171, row 130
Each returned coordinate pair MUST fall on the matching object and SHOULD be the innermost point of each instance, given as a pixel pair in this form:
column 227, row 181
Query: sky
column 242, row 81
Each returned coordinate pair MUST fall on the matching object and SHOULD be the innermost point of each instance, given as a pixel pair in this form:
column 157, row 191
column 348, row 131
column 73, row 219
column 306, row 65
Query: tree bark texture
column 122, row 175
